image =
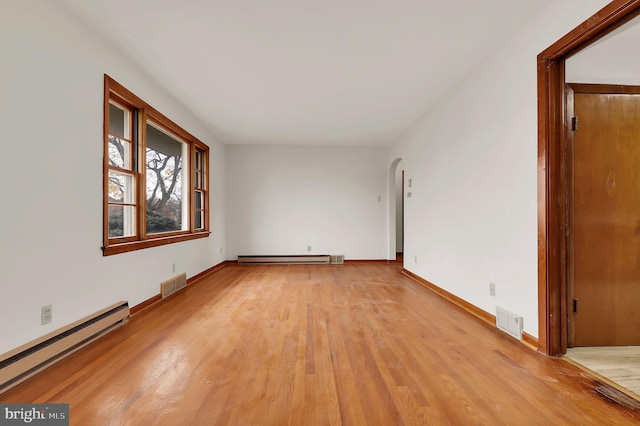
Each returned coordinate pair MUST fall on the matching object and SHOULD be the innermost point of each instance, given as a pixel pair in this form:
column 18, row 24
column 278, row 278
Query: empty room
column 310, row 213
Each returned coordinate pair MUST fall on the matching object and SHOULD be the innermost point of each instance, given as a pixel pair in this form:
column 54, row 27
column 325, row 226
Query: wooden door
column 604, row 247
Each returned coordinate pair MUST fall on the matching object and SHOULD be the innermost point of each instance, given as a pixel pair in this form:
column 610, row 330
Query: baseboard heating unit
column 27, row 360
column 303, row 259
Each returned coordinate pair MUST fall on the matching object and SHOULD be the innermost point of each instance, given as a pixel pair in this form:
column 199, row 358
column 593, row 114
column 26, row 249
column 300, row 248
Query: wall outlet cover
column 46, row 314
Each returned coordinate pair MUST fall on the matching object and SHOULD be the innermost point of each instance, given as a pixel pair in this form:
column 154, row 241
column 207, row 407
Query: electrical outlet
column 173, row 268
column 415, row 259
column 46, row 314
column 492, row 289
column 308, row 248
column 220, row 250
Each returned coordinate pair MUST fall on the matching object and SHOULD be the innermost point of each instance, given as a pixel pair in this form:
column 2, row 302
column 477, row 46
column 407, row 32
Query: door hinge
column 575, row 306
column 574, row 123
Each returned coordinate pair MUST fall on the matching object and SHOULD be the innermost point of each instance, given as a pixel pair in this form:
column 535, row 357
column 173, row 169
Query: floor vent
column 21, row 363
column 173, row 285
column 337, row 259
column 289, row 260
column 509, row 323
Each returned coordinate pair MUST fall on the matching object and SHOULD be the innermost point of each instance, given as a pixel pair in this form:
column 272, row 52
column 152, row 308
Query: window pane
column 164, row 181
column 198, row 200
column 153, row 169
column 122, row 221
column 158, row 222
column 119, row 152
column 119, row 121
column 121, row 188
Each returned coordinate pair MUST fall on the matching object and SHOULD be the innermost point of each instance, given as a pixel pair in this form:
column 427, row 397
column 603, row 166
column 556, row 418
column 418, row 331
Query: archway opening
column 396, row 210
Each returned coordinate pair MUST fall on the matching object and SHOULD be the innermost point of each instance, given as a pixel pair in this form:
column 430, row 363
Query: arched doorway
column 396, row 209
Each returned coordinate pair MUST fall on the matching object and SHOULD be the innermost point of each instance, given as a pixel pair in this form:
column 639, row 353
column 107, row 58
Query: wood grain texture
column 552, row 286
column 203, row 274
column 191, row 280
column 472, row 309
column 490, row 319
column 606, row 219
column 530, row 340
column 353, row 344
column 145, row 304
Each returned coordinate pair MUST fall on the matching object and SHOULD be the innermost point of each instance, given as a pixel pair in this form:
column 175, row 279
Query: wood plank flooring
column 353, row 344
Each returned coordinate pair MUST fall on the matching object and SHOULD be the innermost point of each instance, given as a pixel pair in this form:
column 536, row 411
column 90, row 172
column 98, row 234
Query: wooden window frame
column 142, row 114
column 200, row 169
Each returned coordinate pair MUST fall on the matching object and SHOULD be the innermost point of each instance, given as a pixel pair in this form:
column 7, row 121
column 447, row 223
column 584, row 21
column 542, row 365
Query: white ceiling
column 330, row 72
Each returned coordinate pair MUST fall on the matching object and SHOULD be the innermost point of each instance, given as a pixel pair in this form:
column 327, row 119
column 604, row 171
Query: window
column 155, row 176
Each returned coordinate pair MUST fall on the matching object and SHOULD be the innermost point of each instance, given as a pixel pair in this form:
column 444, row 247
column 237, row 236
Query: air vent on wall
column 337, row 259
column 173, row 285
column 509, row 323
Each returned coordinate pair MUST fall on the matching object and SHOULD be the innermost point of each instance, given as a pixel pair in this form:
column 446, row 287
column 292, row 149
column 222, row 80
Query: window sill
column 155, row 242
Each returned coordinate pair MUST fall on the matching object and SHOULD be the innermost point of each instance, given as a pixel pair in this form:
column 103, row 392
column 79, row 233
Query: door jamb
column 552, row 227
column 571, row 89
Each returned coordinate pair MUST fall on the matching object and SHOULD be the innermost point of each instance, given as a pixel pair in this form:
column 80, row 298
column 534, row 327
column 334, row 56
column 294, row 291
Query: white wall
column 281, row 199
column 472, row 217
column 609, row 60
column 51, row 94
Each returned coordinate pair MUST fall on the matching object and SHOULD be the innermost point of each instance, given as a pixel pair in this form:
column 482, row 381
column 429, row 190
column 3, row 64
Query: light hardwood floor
column 620, row 364
column 353, row 344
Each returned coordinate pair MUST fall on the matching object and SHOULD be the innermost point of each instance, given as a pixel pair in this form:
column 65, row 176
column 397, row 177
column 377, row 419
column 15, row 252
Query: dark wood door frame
column 552, row 171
